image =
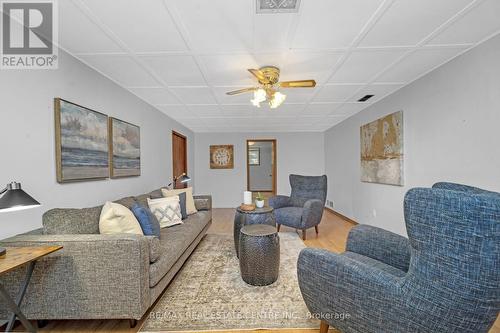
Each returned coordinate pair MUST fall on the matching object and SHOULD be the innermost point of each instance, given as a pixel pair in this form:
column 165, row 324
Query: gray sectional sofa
column 102, row 276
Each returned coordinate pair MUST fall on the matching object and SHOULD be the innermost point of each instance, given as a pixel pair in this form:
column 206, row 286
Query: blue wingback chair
column 303, row 209
column 444, row 278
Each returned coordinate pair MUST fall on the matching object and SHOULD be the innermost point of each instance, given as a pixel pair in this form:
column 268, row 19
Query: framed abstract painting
column 382, row 157
column 124, row 149
column 81, row 142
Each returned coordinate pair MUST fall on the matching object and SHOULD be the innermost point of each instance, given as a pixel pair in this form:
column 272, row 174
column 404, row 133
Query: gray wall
column 301, row 153
column 261, row 175
column 27, row 138
column 451, row 119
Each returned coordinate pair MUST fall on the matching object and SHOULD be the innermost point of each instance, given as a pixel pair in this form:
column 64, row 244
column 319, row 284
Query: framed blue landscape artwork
column 82, row 146
column 124, row 149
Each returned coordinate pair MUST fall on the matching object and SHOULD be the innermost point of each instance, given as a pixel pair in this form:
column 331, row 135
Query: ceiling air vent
column 277, row 6
column 365, row 98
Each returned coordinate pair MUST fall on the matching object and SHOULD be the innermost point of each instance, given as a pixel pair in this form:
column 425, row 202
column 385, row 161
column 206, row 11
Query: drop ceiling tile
column 217, row 25
column 175, row 70
column 350, row 109
column 205, row 111
column 156, row 95
column 321, row 109
column 481, row 22
column 194, row 95
column 121, row 68
column 362, row 66
column 299, row 95
column 72, row 22
column 378, row 90
column 336, row 93
column 309, row 65
column 176, row 111
column 417, row 64
column 144, row 27
column 238, row 111
column 272, row 39
column 332, row 24
column 285, row 110
column 409, row 22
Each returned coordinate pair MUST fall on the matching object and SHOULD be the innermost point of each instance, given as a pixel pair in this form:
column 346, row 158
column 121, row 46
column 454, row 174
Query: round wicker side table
column 259, row 254
column 263, row 215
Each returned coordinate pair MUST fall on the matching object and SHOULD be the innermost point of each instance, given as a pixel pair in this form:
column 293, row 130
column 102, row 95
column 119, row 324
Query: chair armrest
column 203, row 202
column 312, row 213
column 279, row 201
column 381, row 245
column 93, row 276
column 332, row 284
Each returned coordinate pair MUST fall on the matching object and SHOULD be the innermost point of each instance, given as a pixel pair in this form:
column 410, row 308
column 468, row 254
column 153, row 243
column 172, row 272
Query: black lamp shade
column 184, row 178
column 16, row 199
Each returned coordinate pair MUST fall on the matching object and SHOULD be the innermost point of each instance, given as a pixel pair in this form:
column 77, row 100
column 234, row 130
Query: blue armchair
column 444, row 278
column 303, row 209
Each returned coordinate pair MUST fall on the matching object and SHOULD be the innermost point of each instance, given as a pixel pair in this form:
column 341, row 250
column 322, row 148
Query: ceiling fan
column 269, row 89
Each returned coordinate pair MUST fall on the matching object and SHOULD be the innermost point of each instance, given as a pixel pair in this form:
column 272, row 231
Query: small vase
column 259, row 203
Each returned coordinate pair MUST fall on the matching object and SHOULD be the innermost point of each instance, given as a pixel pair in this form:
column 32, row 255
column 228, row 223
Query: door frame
column 274, row 161
column 175, row 133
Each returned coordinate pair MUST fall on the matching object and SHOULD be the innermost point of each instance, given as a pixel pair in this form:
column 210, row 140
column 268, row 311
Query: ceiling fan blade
column 298, row 84
column 240, row 91
column 259, row 75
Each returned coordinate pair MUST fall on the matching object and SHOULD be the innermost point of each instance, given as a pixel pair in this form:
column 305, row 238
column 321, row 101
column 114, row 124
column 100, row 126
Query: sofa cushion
column 142, row 199
column 118, row 219
column 182, row 203
column 61, row 221
column 156, row 194
column 174, row 241
column 289, row 216
column 166, row 210
column 149, row 224
column 190, row 206
column 127, row 202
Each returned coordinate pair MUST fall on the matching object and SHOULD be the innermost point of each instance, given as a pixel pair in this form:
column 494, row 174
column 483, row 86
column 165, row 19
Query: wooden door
column 179, row 157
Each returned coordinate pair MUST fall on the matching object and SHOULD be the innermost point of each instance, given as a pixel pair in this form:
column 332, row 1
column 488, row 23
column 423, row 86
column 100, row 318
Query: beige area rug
column 208, row 294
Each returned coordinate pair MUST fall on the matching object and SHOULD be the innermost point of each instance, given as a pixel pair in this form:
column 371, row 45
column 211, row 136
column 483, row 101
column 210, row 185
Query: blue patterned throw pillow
column 149, row 224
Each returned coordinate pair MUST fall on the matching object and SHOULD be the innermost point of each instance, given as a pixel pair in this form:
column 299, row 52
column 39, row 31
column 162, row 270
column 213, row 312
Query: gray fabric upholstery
column 61, row 221
column 304, row 208
column 380, row 245
column 203, row 202
column 307, row 187
column 155, row 249
column 143, row 199
column 127, row 202
column 174, row 241
column 100, row 276
column 450, row 284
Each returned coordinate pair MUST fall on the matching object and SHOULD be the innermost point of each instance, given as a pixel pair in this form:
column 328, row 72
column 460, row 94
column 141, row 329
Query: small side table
column 259, row 254
column 263, row 215
column 16, row 257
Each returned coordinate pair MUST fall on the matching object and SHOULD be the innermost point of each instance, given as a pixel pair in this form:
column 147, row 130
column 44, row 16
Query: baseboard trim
column 341, row 216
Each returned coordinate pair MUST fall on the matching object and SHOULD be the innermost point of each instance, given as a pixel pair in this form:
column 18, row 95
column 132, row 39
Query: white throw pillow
column 190, row 206
column 118, row 219
column 166, row 210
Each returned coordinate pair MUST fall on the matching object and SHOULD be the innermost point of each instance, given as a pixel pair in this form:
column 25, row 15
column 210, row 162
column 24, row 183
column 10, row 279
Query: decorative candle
column 247, row 198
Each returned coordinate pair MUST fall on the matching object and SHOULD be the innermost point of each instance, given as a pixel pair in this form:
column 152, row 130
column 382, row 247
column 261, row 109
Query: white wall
column 27, row 138
column 301, row 153
column 452, row 133
column 260, row 177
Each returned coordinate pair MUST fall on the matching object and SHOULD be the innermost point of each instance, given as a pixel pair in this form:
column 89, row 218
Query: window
column 254, row 156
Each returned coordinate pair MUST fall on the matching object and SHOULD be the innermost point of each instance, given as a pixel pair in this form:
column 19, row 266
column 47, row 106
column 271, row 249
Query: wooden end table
column 16, row 257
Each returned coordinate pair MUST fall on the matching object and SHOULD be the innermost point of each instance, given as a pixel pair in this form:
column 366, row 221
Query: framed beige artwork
column 221, row 157
column 124, row 149
column 382, row 158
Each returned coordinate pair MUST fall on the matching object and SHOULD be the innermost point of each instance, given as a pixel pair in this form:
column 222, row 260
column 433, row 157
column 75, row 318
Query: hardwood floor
column 333, row 232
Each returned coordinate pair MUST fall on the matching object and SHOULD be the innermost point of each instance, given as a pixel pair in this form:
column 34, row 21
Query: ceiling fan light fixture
column 277, row 100
column 259, row 96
